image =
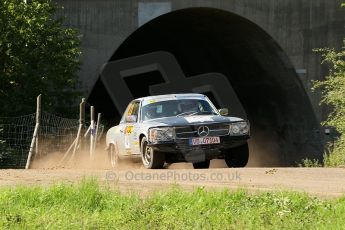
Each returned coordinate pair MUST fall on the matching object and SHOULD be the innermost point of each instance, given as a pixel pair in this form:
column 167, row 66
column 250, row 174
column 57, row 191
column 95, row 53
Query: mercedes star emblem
column 203, row 131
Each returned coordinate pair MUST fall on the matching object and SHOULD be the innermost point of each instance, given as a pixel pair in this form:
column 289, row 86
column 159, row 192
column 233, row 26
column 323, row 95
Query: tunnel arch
column 204, row 40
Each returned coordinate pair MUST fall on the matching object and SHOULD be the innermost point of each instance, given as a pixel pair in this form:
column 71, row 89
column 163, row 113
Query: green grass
column 310, row 163
column 89, row 206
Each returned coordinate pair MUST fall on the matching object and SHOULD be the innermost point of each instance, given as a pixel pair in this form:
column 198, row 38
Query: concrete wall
column 297, row 26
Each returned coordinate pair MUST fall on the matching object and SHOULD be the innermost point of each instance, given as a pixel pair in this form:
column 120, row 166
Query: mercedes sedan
column 178, row 128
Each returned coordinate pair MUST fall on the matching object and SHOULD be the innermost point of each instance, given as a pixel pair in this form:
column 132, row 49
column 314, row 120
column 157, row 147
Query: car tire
column 238, row 157
column 202, row 165
column 113, row 156
column 151, row 159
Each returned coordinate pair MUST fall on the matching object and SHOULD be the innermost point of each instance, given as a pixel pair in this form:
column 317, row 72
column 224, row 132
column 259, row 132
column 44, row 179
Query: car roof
column 173, row 96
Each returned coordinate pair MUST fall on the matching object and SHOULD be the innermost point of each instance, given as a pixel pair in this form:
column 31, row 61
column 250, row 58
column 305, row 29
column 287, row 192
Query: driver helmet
column 150, row 112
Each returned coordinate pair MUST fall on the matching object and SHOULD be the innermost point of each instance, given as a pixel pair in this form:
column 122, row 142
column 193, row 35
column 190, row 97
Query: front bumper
column 183, row 146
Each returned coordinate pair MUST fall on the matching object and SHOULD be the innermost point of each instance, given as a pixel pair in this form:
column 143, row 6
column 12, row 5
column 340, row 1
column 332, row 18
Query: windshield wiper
column 191, row 113
column 185, row 113
column 207, row 112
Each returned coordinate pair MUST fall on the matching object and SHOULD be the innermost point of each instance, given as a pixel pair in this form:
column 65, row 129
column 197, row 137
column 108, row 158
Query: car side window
column 133, row 110
column 123, row 119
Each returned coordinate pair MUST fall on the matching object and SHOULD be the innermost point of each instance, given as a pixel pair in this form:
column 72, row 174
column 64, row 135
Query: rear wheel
column 238, row 157
column 113, row 155
column 202, row 165
column 151, row 159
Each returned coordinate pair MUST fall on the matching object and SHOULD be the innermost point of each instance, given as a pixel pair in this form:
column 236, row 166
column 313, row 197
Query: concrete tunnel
column 284, row 128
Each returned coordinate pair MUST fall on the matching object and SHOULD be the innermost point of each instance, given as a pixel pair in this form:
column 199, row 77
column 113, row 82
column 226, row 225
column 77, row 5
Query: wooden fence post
column 92, row 131
column 34, row 138
column 77, row 139
column 97, row 127
column 81, row 124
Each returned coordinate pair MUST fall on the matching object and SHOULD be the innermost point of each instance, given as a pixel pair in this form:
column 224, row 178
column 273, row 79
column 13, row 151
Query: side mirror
column 223, row 112
column 131, row 118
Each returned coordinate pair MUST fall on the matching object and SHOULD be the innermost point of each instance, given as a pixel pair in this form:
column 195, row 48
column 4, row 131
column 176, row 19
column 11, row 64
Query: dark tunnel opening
column 203, row 40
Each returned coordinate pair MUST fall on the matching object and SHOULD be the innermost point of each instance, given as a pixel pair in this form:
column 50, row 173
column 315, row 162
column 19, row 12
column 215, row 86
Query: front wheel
column 237, row 157
column 151, row 159
column 113, row 155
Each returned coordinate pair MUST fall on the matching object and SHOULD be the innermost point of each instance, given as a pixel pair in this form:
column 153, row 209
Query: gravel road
column 321, row 182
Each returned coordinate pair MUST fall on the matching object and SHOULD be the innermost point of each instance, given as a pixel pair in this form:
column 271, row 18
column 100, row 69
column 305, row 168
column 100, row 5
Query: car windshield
column 170, row 108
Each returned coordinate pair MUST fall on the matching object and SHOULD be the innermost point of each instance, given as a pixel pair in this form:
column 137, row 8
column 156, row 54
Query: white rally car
column 178, row 128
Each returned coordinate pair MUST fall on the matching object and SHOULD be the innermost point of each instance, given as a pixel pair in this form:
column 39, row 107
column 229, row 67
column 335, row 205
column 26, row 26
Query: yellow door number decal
column 129, row 130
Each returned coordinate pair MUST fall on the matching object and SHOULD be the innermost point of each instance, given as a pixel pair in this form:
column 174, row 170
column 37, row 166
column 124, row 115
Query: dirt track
column 324, row 182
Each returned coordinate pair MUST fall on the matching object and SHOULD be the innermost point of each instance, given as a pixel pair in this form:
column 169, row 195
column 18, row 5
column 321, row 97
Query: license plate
column 204, row 140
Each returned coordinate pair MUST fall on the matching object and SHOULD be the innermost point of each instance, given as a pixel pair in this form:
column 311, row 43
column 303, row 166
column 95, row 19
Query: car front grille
column 192, row 130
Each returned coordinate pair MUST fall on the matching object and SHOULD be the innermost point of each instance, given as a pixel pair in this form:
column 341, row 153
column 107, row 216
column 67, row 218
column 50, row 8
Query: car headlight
column 239, row 128
column 161, row 134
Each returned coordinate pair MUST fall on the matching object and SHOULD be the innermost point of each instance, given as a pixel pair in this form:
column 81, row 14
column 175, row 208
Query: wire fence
column 15, row 138
column 57, row 134
column 54, row 134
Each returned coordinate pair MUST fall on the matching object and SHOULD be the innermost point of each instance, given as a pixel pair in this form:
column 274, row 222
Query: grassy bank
column 87, row 206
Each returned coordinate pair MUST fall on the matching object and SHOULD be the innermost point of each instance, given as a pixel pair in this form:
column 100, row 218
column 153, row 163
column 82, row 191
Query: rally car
column 178, row 128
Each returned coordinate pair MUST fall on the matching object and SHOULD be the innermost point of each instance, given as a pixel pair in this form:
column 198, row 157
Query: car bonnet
column 191, row 120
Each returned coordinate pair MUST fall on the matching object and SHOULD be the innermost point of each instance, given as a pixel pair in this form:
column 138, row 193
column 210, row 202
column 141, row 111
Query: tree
column 37, row 56
column 333, row 94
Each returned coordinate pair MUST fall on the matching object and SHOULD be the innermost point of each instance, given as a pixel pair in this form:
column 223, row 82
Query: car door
column 128, row 129
column 120, row 133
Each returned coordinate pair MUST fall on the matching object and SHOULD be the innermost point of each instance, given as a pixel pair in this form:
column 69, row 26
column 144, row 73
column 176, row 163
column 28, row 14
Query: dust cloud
column 261, row 155
column 100, row 161
column 81, row 160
